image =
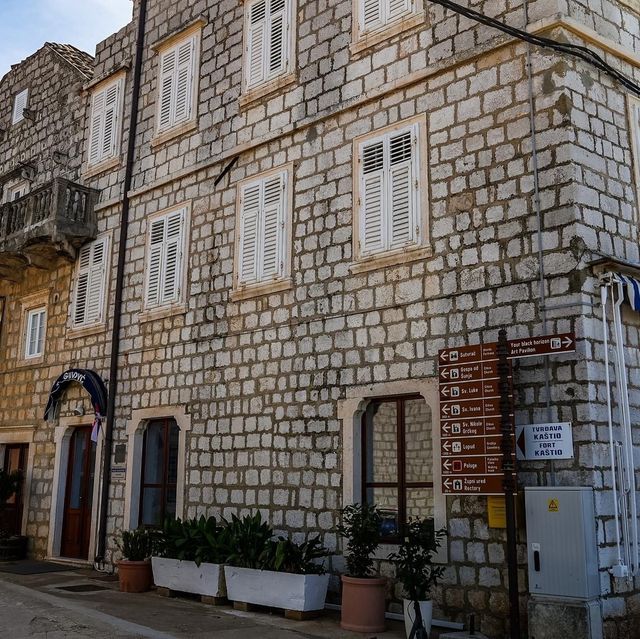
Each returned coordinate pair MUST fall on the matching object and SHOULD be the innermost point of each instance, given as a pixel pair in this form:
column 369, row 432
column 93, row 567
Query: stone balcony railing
column 51, row 221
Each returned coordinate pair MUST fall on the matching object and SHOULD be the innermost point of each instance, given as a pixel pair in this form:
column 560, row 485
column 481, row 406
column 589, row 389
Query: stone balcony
column 52, row 221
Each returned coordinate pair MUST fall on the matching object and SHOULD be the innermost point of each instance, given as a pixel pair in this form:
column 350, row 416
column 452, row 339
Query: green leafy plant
column 136, row 545
column 414, row 559
column 202, row 540
column 284, row 555
column 361, row 528
column 9, row 485
column 247, row 538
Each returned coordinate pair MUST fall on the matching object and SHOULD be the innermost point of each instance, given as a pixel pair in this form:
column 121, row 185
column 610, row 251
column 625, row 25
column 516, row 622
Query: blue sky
column 25, row 25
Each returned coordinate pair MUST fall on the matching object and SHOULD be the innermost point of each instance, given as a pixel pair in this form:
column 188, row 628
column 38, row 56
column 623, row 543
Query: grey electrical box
column 561, row 542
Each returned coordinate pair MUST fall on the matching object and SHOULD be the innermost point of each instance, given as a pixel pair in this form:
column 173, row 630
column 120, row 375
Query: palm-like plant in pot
column 134, row 570
column 12, row 547
column 363, row 592
column 416, row 572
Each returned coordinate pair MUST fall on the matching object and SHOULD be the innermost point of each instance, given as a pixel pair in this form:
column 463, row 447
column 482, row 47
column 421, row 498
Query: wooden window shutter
column 95, row 134
column 19, row 105
column 172, row 257
column 165, row 259
column 371, row 14
column 256, row 43
column 91, row 283
column 168, row 64
column 372, row 197
column 249, row 233
column 112, row 101
column 278, row 38
column 154, row 263
column 272, row 228
column 402, row 189
column 397, row 8
column 184, row 81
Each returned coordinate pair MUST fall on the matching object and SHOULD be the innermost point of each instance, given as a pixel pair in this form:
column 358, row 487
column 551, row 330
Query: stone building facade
column 260, row 360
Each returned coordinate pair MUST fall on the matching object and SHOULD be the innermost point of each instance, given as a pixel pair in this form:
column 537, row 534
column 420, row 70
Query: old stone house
column 323, row 195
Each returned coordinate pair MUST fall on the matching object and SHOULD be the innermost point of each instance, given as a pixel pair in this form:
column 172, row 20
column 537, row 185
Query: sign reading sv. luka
column 89, row 380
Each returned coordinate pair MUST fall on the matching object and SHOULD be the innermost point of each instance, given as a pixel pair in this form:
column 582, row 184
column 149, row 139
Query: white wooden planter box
column 185, row 576
column 303, row 593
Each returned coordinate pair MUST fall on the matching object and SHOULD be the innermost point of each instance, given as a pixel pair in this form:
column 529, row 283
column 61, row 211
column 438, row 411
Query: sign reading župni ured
column 470, row 428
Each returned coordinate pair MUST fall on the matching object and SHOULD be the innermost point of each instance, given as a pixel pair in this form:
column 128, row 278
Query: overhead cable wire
column 583, row 53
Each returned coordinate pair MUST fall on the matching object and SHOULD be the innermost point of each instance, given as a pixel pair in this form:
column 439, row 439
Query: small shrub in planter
column 274, row 572
column 416, row 572
column 189, row 556
column 12, row 547
column 134, row 570
column 363, row 593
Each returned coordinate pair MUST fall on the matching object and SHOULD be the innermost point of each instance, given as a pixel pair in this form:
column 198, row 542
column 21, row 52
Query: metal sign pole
column 509, row 480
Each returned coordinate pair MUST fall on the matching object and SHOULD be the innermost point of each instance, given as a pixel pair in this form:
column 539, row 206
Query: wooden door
column 15, row 458
column 76, row 527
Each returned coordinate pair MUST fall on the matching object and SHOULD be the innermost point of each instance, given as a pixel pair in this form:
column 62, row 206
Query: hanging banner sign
column 544, row 441
column 89, row 380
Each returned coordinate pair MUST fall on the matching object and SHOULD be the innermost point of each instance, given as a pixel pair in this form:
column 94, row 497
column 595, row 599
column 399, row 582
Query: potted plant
column 363, row 593
column 12, row 547
column 271, row 572
column 189, row 557
column 416, row 572
column 134, row 570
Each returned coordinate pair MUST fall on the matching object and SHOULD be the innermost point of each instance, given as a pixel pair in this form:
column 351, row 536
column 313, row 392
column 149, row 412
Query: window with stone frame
column 268, row 41
column 90, row 284
column 105, row 125
column 159, row 476
column 15, row 190
column 389, row 192
column 165, row 258
column 397, row 460
column 20, row 103
column 36, row 328
column 263, row 224
column 374, row 15
column 177, row 83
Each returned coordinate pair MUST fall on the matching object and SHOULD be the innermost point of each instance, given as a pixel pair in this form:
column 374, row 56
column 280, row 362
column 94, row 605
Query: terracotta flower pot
column 135, row 576
column 363, row 604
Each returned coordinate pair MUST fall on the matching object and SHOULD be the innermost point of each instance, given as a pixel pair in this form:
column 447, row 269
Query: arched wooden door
column 76, row 527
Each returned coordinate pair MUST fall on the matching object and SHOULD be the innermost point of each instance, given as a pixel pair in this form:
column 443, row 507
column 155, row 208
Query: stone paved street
column 35, row 606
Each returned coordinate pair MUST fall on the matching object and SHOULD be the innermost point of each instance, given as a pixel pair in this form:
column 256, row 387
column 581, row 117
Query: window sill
column 367, row 40
column 264, row 288
column 162, row 312
column 33, row 362
column 102, row 167
column 175, row 132
column 86, row 331
column 396, row 258
column 262, row 90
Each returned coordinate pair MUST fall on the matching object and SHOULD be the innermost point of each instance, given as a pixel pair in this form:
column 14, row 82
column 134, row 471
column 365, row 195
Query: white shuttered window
column 165, row 258
column 91, row 279
column 389, row 209
column 104, row 134
column 375, row 14
column 268, row 45
column 177, row 83
column 263, row 230
column 19, row 105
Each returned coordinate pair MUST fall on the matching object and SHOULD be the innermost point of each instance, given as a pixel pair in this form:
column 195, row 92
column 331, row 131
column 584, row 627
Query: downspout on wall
column 117, row 313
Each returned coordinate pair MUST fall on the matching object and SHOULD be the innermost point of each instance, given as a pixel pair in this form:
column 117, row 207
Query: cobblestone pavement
column 35, row 606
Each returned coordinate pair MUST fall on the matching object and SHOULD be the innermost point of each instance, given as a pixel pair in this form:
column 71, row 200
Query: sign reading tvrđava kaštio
column 544, row 441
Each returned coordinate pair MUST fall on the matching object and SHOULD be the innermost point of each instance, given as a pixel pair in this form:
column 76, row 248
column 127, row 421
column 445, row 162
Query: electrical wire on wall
column 575, row 50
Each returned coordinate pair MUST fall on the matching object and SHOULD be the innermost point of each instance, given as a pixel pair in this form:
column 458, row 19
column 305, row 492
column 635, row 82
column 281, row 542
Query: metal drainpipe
column 117, row 312
column 536, row 201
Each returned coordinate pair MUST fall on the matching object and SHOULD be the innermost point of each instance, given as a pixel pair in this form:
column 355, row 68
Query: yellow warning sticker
column 554, row 505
